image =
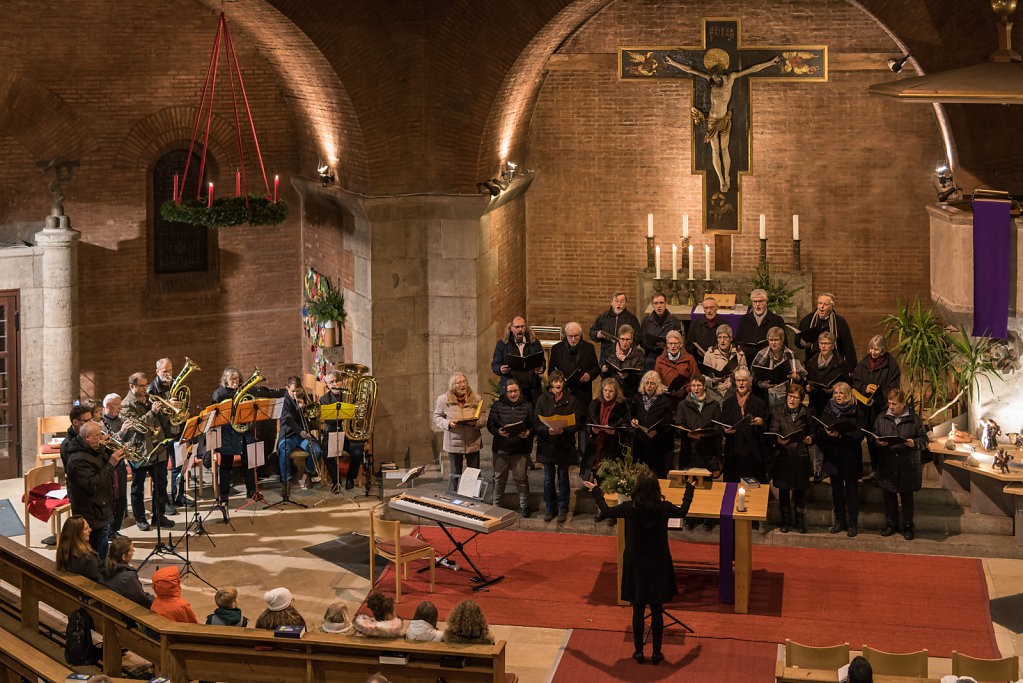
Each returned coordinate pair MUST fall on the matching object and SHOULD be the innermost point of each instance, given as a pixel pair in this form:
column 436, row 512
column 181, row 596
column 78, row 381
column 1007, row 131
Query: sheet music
column 257, row 456
column 209, row 421
column 469, row 483
column 181, row 451
column 335, row 444
column 213, row 440
column 278, row 409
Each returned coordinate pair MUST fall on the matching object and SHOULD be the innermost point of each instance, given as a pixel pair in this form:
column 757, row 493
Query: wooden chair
column 37, row 476
column 47, row 427
column 897, row 663
column 1005, row 669
column 386, row 540
column 809, row 657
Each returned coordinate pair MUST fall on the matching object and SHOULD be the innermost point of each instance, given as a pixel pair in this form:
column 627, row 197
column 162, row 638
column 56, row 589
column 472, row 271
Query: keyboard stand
column 480, row 581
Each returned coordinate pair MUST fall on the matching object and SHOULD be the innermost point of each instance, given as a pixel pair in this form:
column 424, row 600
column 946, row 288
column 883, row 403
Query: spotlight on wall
column 944, row 184
column 509, row 171
column 325, row 174
column 895, row 64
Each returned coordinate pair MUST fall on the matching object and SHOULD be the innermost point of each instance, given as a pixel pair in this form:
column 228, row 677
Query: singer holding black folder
column 900, row 472
column 656, row 326
column 520, row 356
column 840, row 436
column 648, row 573
column 652, row 441
column 623, row 361
column 511, row 423
column 606, row 421
column 576, row 359
column 775, row 367
column 874, row 376
column 793, row 466
column 676, row 366
column 823, row 371
column 745, row 417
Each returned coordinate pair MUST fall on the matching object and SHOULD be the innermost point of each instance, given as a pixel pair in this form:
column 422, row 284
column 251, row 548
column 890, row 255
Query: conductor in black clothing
column 648, row 574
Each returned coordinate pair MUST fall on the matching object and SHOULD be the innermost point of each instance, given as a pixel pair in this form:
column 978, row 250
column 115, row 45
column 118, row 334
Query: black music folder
column 524, row 363
column 751, row 349
column 737, row 424
column 620, row 370
column 677, row 383
column 779, row 374
column 829, row 381
column 729, row 368
column 704, row 431
column 842, row 426
column 797, row 435
column 653, row 341
column 884, row 440
column 808, row 337
column 651, row 428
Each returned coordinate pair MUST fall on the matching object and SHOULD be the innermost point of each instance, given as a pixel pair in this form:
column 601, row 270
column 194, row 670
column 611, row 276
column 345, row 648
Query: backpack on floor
column 79, row 650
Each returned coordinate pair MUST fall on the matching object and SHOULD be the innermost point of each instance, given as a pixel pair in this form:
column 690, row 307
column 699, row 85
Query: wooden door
column 10, row 443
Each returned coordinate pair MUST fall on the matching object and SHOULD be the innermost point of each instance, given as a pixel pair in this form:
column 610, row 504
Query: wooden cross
column 721, row 70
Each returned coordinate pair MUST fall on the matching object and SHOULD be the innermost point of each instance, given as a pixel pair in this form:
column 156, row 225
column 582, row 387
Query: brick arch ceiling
column 321, row 103
column 41, row 121
column 938, row 35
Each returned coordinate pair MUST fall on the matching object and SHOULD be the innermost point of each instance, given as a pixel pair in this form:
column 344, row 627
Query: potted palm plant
column 327, row 309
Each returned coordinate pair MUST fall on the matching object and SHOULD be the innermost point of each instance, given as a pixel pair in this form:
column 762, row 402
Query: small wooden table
column 707, row 504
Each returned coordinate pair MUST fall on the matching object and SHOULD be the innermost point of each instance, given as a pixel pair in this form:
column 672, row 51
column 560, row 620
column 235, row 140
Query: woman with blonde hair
column 459, row 415
column 606, row 420
column 652, row 441
column 74, row 553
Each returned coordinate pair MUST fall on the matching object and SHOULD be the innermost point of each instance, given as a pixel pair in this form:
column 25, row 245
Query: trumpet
column 176, row 415
column 115, row 443
column 138, row 426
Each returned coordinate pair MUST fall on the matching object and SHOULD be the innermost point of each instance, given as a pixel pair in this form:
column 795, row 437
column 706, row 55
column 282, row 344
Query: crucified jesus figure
column 719, row 118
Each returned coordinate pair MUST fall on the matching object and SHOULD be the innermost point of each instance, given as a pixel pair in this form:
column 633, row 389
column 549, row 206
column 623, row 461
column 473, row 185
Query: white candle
column 690, row 262
column 706, row 261
column 657, row 260
column 685, row 225
column 763, row 227
column 795, row 227
column 649, row 225
column 741, row 500
column 674, row 261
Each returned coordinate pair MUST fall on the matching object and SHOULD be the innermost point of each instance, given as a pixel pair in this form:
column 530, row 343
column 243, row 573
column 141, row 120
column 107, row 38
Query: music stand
column 161, row 548
column 256, row 457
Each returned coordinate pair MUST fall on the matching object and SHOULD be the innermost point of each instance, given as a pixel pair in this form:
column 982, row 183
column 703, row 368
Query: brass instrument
column 115, row 443
column 360, row 389
column 176, row 415
column 310, row 410
column 241, row 396
column 180, row 392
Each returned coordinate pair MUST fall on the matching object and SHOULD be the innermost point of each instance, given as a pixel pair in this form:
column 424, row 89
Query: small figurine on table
column 1002, row 459
column 989, row 433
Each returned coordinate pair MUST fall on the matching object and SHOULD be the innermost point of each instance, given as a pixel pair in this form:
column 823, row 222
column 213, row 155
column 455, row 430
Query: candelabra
column 796, row 256
column 708, row 286
column 763, row 250
column 691, row 288
column 658, row 286
column 649, row 255
column 675, row 299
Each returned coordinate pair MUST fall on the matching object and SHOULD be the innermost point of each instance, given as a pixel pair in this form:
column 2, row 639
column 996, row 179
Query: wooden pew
column 185, row 652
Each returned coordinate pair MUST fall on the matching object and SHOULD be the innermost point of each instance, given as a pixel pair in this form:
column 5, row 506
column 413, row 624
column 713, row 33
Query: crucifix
column 721, row 70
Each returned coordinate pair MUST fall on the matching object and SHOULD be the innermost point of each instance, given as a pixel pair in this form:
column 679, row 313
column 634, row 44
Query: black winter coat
column 706, row 451
column 702, row 334
column 744, row 450
column 749, row 335
column 125, row 582
column 560, row 449
column 656, row 327
column 90, row 484
column 602, row 446
column 504, row 412
column 648, row 574
column 632, row 368
column 887, row 376
column 832, row 372
column 567, row 358
column 843, row 454
column 608, row 322
column 899, row 468
column 792, row 466
column 656, row 452
column 529, row 381
column 845, row 346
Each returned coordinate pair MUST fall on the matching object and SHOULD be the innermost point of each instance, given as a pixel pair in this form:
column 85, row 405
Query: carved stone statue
column 63, row 170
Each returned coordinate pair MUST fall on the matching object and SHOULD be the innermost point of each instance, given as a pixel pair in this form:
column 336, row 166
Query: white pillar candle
column 685, row 225
column 674, row 261
column 657, row 260
column 763, row 227
column 795, row 227
column 649, row 225
column 706, row 261
column 740, row 502
column 690, row 262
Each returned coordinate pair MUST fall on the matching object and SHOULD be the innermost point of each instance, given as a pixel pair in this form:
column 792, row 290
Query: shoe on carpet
column 838, row 528
column 143, row 525
column 656, row 658
column 638, row 656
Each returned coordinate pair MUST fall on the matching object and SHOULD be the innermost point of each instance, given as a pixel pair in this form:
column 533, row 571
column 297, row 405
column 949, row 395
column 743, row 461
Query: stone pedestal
column 59, row 278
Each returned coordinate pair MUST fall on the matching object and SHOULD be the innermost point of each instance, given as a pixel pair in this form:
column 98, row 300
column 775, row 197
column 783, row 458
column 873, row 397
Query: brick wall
column 608, row 152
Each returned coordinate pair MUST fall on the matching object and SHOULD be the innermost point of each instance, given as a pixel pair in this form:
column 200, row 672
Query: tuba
column 180, row 392
column 361, row 390
column 243, row 395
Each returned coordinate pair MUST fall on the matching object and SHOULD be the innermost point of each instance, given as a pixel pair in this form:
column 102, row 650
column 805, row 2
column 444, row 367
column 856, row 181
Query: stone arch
column 41, row 120
column 150, row 137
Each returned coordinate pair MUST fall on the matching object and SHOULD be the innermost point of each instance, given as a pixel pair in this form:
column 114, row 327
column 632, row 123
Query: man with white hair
column 577, row 361
column 824, row 319
column 754, row 324
column 90, row 484
column 113, row 423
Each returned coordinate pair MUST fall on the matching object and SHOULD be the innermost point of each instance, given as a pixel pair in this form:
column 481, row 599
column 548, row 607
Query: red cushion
column 47, row 449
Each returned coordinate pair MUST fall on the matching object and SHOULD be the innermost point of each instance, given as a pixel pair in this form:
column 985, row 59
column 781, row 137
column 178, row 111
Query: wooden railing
column 185, row 652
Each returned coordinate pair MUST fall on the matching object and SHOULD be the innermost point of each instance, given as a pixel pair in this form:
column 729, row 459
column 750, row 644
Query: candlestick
column 657, row 262
column 658, row 286
column 209, row 197
column 675, row 300
column 277, row 180
column 176, row 188
column 763, row 250
column 690, row 262
column 691, row 289
column 706, row 262
column 795, row 227
column 237, row 183
column 796, row 256
column 649, row 255
column 740, row 500
column 763, row 227
column 649, row 225
column 685, row 226
column 674, row 261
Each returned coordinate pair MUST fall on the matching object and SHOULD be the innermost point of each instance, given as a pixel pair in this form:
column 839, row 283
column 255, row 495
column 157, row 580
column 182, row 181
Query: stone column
column 59, row 279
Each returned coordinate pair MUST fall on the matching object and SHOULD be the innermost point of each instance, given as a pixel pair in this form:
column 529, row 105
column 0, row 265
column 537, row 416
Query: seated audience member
column 227, row 612
column 424, row 624
column 623, row 361
column 168, row 602
column 383, row 623
column 279, row 610
column 466, row 624
column 120, row 576
column 74, row 554
column 378, row 678
column 656, row 326
column 860, row 670
column 336, row 620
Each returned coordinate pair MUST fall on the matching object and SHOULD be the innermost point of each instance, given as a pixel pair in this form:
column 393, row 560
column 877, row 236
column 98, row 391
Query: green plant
column 327, row 305
column 779, row 293
column 971, row 361
column 618, row 475
column 922, row 347
column 226, row 212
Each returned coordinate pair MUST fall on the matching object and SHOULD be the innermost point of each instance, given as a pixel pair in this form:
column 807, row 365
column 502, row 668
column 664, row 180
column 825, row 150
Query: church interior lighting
column 896, row 64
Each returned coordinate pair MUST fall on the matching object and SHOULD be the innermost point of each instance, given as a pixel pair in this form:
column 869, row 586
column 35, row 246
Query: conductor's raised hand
column 590, row 485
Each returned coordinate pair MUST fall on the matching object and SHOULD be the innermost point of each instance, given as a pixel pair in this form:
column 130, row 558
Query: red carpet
column 817, row 597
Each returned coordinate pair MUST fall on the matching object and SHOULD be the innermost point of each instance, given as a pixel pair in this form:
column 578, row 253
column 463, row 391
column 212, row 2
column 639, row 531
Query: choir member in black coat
column 823, row 371
column 623, row 361
column 744, row 455
column 555, row 447
column 605, row 442
column 824, row 319
column 751, row 336
column 648, row 574
column 703, row 330
column 792, row 466
column 511, row 422
column 843, row 456
column 900, row 472
column 655, row 328
column 577, row 361
column 604, row 329
column 653, row 442
column 698, row 411
column 874, row 376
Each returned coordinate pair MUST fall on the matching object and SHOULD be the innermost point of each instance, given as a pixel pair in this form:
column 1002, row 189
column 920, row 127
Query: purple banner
column 991, row 249
column 726, row 549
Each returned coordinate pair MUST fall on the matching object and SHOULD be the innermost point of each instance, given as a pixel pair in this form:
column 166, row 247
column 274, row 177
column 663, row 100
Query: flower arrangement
column 618, row 475
column 328, row 305
column 226, row 212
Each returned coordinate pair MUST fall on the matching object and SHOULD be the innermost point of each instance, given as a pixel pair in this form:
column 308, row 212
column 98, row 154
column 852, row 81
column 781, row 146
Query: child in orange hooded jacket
column 168, row 602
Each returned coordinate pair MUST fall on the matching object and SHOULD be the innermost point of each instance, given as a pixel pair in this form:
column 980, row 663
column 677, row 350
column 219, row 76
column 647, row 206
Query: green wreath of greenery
column 226, row 212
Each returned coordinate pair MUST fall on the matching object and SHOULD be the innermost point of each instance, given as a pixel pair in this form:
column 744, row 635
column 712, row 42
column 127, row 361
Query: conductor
column 648, row 575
